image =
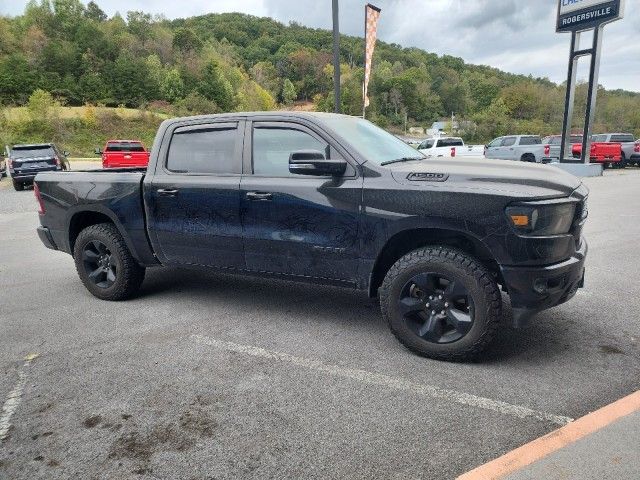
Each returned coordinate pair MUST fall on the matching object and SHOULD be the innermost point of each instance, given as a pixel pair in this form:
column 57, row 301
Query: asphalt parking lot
column 211, row 376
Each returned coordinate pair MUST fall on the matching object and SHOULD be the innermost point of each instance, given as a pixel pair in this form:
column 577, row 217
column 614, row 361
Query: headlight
column 542, row 219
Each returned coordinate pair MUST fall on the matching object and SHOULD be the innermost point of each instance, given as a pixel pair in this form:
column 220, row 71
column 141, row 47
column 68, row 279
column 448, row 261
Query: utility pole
column 336, row 57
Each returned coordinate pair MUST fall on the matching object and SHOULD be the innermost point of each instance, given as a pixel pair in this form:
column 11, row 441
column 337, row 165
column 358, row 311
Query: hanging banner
column 577, row 15
column 371, row 16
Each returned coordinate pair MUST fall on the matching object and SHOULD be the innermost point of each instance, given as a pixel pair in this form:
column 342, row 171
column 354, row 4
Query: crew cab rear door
column 297, row 224
column 193, row 199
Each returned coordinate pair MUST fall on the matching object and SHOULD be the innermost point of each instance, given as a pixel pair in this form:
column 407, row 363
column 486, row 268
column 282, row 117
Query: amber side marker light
column 520, row 220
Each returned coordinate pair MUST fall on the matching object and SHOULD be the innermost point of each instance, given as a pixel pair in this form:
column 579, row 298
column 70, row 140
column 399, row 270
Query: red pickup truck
column 123, row 153
column 601, row 152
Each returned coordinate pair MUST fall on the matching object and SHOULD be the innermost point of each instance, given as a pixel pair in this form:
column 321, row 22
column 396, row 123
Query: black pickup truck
column 335, row 200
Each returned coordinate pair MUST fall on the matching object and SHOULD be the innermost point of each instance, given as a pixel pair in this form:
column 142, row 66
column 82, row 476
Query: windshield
column 372, row 142
column 31, row 152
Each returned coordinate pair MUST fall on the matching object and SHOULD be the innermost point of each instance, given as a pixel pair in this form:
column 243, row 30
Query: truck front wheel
column 104, row 263
column 441, row 303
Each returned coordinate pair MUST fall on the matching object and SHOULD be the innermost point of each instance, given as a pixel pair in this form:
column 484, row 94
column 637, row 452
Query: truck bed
column 115, row 194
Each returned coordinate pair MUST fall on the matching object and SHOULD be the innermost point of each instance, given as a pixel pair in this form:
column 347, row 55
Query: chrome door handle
column 259, row 196
column 166, row 192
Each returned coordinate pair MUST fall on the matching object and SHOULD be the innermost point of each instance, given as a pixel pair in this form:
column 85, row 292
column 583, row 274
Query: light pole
column 336, row 57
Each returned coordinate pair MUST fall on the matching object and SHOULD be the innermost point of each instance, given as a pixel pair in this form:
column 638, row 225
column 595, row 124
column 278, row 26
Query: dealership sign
column 577, row 15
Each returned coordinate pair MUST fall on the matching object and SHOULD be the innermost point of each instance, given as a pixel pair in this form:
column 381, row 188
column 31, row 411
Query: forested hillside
column 224, row 62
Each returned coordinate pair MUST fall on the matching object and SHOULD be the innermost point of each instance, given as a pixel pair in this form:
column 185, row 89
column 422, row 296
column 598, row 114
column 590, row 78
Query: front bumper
column 534, row 289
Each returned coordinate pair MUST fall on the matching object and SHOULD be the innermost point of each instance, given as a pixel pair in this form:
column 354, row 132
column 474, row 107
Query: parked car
column 24, row 162
column 635, row 157
column 3, row 163
column 609, row 154
column 123, row 153
column 526, row 148
column 627, row 143
column 331, row 199
column 448, row 147
column 552, row 145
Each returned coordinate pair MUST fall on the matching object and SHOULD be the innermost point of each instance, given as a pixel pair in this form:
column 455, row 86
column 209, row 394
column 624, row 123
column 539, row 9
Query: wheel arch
column 408, row 240
column 82, row 219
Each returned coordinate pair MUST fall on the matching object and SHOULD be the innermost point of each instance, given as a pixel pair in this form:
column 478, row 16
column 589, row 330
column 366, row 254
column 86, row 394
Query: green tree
column 186, row 40
column 289, row 93
column 172, row 86
column 94, row 12
column 41, row 105
column 214, row 86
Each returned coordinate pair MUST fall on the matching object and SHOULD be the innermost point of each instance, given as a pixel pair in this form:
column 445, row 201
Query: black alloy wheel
column 436, row 308
column 99, row 264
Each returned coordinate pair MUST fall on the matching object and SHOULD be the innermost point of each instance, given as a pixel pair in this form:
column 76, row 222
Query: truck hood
column 520, row 179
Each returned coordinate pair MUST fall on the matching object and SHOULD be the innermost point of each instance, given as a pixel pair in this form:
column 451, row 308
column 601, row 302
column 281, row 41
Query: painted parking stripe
column 14, row 397
column 386, row 381
column 554, row 441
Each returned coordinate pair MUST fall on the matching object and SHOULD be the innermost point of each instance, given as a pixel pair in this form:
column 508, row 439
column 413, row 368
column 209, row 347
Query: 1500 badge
column 428, row 177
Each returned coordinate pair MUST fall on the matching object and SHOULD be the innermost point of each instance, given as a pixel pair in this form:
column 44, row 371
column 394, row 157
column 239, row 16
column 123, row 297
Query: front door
column 193, row 202
column 297, row 224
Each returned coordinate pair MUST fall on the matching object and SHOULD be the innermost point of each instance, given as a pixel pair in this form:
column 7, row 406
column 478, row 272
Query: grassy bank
column 78, row 129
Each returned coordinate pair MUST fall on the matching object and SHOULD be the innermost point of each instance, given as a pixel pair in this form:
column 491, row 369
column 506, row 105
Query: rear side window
column 124, row 147
column 509, row 141
column 599, row 138
column 622, row 138
column 273, row 145
column 207, row 149
column 530, row 141
column 450, row 142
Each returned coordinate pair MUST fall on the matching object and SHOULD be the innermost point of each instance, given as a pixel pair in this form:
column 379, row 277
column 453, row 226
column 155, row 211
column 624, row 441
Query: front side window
column 205, row 150
column 426, row 144
column 496, row 143
column 509, row 141
column 599, row 138
column 272, row 147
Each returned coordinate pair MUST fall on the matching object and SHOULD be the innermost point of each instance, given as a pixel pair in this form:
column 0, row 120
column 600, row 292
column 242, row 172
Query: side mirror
column 98, row 151
column 312, row 162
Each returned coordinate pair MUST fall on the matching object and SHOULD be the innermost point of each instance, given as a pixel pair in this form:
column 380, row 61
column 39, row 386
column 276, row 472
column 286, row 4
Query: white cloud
column 511, row 35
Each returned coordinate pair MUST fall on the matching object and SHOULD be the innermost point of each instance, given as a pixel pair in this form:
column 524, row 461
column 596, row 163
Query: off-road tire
column 528, row 157
column 479, row 283
column 129, row 275
column 18, row 186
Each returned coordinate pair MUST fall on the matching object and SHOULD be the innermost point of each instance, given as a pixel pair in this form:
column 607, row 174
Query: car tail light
column 637, row 148
column 36, row 191
column 453, row 151
column 57, row 161
column 547, row 150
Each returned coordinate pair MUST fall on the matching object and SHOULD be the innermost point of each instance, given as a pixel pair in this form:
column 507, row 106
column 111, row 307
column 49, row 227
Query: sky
column 513, row 35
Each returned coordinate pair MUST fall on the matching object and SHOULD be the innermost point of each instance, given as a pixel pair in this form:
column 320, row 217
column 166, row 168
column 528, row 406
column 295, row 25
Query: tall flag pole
column 336, row 57
column 371, row 16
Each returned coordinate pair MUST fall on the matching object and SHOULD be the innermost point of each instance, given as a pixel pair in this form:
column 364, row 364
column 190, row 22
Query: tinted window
column 575, row 139
column 272, row 147
column 530, row 141
column 622, row 138
column 496, row 143
column 426, row 144
column 124, row 147
column 599, row 138
column 509, row 141
column 32, row 152
column 450, row 142
column 203, row 150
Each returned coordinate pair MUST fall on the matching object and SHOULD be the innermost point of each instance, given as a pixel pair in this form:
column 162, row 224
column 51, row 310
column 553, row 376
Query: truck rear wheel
column 528, row 157
column 18, row 186
column 441, row 303
column 104, row 263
